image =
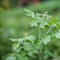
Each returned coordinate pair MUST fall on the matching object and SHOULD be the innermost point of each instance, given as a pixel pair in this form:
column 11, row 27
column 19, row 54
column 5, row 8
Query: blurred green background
column 15, row 24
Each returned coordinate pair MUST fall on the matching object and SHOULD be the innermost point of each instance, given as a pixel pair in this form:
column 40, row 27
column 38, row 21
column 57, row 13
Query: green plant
column 32, row 47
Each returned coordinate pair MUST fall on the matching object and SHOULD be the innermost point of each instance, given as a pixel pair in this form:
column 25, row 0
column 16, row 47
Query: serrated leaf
column 29, row 13
column 43, row 24
column 27, row 46
column 33, row 23
column 46, row 39
column 29, row 38
column 58, row 34
column 14, row 40
column 15, row 46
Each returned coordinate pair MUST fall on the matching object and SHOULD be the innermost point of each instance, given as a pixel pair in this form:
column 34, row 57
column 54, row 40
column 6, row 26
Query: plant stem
column 41, row 56
column 42, row 52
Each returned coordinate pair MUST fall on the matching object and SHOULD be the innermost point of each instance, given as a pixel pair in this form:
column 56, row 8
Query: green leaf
column 58, row 34
column 29, row 13
column 33, row 23
column 15, row 46
column 29, row 38
column 20, row 57
column 14, row 40
column 54, row 21
column 43, row 24
column 11, row 58
column 33, row 53
column 46, row 39
column 27, row 46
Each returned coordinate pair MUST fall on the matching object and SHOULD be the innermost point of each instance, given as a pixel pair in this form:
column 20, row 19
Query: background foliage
column 15, row 24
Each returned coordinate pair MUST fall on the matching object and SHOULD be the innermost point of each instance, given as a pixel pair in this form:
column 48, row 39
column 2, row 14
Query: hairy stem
column 41, row 55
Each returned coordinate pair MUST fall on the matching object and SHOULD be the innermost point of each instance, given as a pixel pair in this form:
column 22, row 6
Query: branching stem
column 41, row 55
